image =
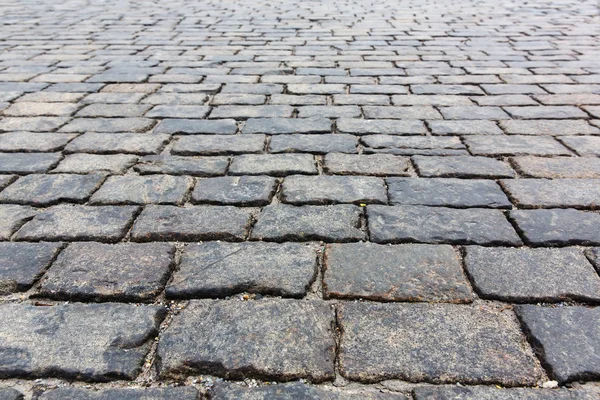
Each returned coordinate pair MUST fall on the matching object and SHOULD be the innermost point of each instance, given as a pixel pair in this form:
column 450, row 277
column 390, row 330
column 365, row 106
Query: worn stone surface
column 273, row 126
column 33, row 141
column 27, row 163
column 114, row 143
column 218, row 145
column 494, row 393
column 449, row 192
column 318, row 144
column 235, row 190
column 532, row 275
column 170, row 223
column 515, row 145
column 434, row 343
column 297, row 189
column 150, row 189
column 76, row 222
column 21, row 264
column 380, row 126
column 401, row 224
column 12, row 217
column 366, row 164
column 158, row 393
column 583, row 145
column 461, row 167
column 409, row 272
column 283, row 222
column 566, row 340
column 208, row 338
column 94, row 342
column 548, row 127
column 555, row 193
column 215, row 269
column 273, row 164
column 109, row 272
column 558, row 167
column 10, row 394
column 176, row 165
column 81, row 163
column 196, row 126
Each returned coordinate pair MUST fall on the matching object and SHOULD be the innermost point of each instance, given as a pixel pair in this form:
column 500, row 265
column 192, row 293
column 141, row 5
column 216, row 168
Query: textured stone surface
column 558, row 227
column 208, row 338
column 12, row 217
column 155, row 189
column 81, row 163
column 493, row 393
column 566, row 339
column 21, row 264
column 159, row 393
column 409, row 272
column 398, row 224
column 556, row 193
column 235, row 190
column 434, row 343
column 109, row 272
column 33, row 141
column 532, row 275
column 218, row 144
column 114, row 143
column 216, row 269
column 274, row 126
column 27, row 163
column 515, row 145
column 175, row 165
column 298, row 189
column 373, row 164
column 282, row 222
column 10, row 394
column 462, row 167
column 94, row 342
column 273, row 164
column 318, row 144
column 559, row 167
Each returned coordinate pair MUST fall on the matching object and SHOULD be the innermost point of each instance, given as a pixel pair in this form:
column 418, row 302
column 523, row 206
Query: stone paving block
column 594, row 256
column 5, row 180
column 329, row 111
column 549, row 112
column 548, row 127
column 273, row 164
column 235, row 190
column 108, row 125
column 156, row 393
column 381, row 126
column 583, row 145
column 178, row 111
column 437, row 343
column 555, row 193
column 244, row 112
column 33, row 141
column 298, row 390
column 149, row 189
column 22, row 264
column 408, row 112
column 81, row 163
column 113, row 143
column 398, row 224
column 281, row 339
column 111, row 98
column 319, row 144
column 557, row 167
column 494, row 393
column 425, row 145
column 91, row 342
column 300, row 88
column 216, row 269
column 566, row 340
column 45, row 190
column 282, row 222
column 27, row 163
column 170, row 223
column 408, row 272
column 449, row 192
column 113, row 110
column 194, row 126
column 431, row 100
column 109, row 272
column 473, row 112
column 446, row 89
column 218, row 145
column 461, row 167
column 12, row 217
column 297, row 189
column 275, row 126
column 32, row 124
column 506, row 100
column 515, row 145
column 10, row 394
column 303, row 100
column 77, row 222
column 364, row 164
column 176, row 165
column 532, row 275
column 557, row 226
column 464, row 127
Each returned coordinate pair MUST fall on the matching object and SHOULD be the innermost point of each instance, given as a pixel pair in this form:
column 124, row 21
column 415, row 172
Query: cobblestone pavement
column 299, row 199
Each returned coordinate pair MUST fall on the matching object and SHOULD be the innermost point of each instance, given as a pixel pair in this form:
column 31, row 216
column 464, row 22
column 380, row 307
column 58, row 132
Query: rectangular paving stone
column 194, row 126
column 401, row 224
column 464, row 127
column 29, row 109
column 557, row 167
column 283, row 222
column 5, row 180
column 566, row 339
column 548, row 127
column 532, row 275
column 153, row 393
column 108, row 125
column 462, row 167
column 555, row 193
column 436, row 343
column 495, row 393
column 275, row 126
column 106, row 272
column 235, row 190
column 45, row 190
column 365, row 164
column 333, row 111
column 515, row 145
column 319, row 190
column 178, row 111
column 380, row 126
column 170, row 223
column 216, row 269
column 318, row 144
column 549, row 112
column 448, row 192
column 150, row 189
column 81, row 163
column 33, row 141
column 583, row 145
column 558, row 226
column 22, row 264
column 77, row 222
column 176, row 165
column 218, row 145
column 273, row 164
column 408, row 112
column 431, row 100
column 114, row 143
column 473, row 112
column 12, row 217
column 90, row 342
column 32, row 124
column 113, row 110
column 239, row 340
column 409, row 272
column 244, row 112
column 27, row 163
column 446, row 89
